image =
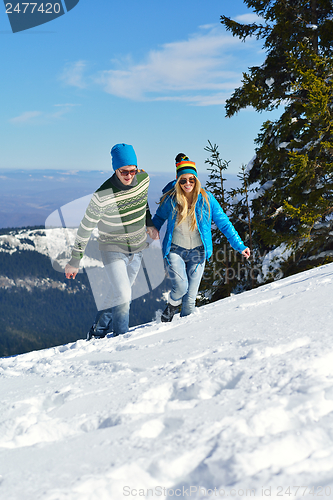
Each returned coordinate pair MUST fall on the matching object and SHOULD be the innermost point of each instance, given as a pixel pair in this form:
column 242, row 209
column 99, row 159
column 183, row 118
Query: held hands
column 153, row 233
column 71, row 272
column 246, row 253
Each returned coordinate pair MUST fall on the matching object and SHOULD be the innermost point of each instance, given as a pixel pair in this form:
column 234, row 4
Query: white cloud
column 27, row 116
column 249, row 18
column 37, row 117
column 214, row 99
column 73, row 74
column 63, row 110
column 202, row 70
column 196, row 64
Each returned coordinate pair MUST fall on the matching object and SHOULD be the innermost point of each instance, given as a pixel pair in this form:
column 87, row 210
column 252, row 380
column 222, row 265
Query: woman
column 189, row 210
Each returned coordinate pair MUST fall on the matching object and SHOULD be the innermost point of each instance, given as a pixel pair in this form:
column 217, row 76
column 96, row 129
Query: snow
column 272, row 261
column 55, row 243
column 237, row 397
column 312, row 26
column 263, row 188
column 269, row 82
column 249, row 166
column 278, row 211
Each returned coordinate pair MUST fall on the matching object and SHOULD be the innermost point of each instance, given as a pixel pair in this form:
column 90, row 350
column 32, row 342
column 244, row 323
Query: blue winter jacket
column 204, row 217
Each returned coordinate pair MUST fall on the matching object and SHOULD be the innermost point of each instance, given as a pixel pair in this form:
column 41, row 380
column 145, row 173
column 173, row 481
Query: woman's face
column 187, row 186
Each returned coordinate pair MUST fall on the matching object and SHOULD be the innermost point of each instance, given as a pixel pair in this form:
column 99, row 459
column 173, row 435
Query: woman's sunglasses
column 128, row 172
column 191, row 180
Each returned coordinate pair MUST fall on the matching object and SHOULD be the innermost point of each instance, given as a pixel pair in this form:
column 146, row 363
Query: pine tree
column 216, row 278
column 227, row 272
column 241, row 218
column 216, row 181
column 285, row 25
column 294, row 160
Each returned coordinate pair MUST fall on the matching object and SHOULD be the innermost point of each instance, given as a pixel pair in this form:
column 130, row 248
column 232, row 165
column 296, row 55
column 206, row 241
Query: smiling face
column 187, row 186
column 125, row 174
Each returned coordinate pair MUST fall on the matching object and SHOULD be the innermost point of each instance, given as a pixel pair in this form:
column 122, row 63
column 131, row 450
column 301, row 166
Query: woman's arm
column 162, row 213
column 223, row 223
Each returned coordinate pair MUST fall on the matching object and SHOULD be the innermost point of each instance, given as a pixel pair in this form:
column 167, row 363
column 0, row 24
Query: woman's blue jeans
column 185, row 268
column 122, row 270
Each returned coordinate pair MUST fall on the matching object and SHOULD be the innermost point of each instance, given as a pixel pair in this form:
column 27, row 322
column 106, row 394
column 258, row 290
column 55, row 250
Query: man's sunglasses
column 191, row 180
column 128, row 172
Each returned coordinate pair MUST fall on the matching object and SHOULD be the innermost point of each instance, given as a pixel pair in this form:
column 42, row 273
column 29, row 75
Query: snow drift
column 233, row 401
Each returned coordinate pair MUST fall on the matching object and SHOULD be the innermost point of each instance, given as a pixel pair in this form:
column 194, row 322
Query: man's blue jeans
column 122, row 270
column 185, row 268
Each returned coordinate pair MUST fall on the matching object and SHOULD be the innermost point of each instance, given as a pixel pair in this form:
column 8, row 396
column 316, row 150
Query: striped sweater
column 120, row 214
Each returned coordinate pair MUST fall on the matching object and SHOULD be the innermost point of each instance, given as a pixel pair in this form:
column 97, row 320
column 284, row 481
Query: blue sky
column 154, row 74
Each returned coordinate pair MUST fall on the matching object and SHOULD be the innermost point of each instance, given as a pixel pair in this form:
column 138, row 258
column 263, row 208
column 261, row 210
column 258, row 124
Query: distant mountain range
column 28, row 197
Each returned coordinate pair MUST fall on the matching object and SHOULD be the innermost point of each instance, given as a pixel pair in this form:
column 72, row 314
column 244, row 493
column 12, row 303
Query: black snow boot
column 168, row 313
column 93, row 334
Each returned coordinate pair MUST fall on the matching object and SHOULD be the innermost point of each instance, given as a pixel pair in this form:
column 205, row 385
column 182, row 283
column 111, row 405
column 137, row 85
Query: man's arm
column 88, row 223
column 149, row 222
column 151, row 229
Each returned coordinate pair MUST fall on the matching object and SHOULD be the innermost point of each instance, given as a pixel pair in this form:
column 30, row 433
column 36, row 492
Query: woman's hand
column 153, row 233
column 71, row 272
column 246, row 253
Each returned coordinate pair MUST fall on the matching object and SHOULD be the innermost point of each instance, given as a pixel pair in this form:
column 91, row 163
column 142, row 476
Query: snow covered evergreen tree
column 294, row 154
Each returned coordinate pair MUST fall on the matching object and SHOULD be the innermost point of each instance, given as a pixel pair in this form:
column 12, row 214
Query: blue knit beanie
column 123, row 155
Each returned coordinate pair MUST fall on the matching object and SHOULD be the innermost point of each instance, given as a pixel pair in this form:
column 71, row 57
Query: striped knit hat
column 184, row 165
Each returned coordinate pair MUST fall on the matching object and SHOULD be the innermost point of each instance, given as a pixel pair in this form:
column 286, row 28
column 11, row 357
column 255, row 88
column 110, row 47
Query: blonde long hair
column 182, row 207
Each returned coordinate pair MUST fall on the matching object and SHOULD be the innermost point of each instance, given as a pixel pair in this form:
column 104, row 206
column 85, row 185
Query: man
column 120, row 210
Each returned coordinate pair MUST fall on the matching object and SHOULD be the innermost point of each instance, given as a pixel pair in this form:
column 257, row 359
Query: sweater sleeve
column 88, row 223
column 149, row 222
column 223, row 223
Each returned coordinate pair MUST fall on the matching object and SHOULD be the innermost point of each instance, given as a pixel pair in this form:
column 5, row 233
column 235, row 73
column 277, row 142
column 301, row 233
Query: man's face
column 125, row 174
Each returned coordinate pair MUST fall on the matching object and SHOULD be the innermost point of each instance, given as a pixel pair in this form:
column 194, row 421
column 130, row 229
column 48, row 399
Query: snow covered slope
column 237, row 397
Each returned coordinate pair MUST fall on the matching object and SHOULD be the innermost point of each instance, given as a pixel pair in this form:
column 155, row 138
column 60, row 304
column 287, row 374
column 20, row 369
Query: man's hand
column 153, row 233
column 246, row 253
column 71, row 272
